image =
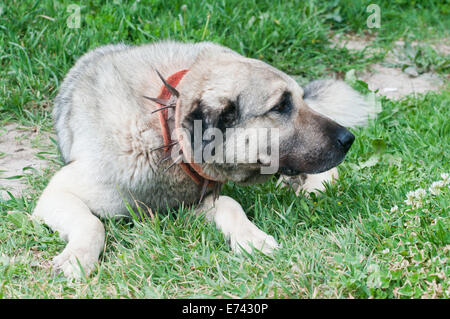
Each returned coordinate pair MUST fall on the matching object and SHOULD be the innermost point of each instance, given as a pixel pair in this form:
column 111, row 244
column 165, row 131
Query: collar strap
column 165, row 94
column 193, row 170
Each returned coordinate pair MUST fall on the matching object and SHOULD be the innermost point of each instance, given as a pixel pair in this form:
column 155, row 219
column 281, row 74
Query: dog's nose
column 345, row 139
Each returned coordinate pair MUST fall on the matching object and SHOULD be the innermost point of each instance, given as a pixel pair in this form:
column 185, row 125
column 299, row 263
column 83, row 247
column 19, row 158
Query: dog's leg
column 63, row 211
column 310, row 183
column 315, row 182
column 230, row 218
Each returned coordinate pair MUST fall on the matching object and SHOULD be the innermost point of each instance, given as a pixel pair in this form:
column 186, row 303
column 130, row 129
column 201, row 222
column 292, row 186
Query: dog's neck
column 193, row 170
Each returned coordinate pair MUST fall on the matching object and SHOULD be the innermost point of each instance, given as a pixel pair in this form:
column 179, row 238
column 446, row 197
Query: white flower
column 394, row 209
column 410, row 196
column 385, row 251
column 445, row 178
column 435, row 188
column 420, row 193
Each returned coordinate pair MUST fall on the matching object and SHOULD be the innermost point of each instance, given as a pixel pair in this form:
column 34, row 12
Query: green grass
column 342, row 243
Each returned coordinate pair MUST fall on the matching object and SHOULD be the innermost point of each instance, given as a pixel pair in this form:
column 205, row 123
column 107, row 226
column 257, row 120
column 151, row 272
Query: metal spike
column 162, row 108
column 217, row 188
column 163, row 146
column 159, row 101
column 163, row 159
column 168, row 86
column 204, row 188
column 174, row 162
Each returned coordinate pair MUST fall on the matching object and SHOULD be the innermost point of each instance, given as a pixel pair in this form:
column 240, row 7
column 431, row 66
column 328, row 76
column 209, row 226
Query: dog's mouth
column 293, row 167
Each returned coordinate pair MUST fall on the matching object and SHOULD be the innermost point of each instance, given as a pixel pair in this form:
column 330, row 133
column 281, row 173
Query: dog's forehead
column 289, row 81
column 255, row 77
column 225, row 77
column 241, row 79
column 265, row 85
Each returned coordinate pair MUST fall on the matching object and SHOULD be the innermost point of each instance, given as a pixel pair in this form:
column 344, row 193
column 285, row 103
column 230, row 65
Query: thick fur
column 338, row 101
column 106, row 131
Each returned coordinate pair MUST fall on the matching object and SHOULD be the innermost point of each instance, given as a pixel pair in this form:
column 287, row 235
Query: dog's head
column 229, row 95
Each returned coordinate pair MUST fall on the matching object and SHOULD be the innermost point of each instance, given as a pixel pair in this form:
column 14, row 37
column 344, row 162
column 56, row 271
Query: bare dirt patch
column 23, row 150
column 351, row 42
column 388, row 77
column 394, row 84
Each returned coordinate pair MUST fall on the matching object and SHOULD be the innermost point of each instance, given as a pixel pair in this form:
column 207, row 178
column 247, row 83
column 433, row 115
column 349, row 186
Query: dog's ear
column 220, row 117
column 229, row 116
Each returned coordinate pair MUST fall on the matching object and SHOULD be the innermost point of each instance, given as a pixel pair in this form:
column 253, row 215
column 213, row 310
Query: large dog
column 116, row 147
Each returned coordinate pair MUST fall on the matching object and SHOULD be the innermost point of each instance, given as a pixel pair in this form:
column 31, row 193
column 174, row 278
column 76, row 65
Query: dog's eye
column 280, row 108
column 284, row 105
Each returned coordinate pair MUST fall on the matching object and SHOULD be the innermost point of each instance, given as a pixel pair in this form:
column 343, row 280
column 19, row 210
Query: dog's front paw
column 74, row 263
column 251, row 237
column 310, row 183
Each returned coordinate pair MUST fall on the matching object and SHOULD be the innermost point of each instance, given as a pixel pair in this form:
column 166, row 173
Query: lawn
column 381, row 231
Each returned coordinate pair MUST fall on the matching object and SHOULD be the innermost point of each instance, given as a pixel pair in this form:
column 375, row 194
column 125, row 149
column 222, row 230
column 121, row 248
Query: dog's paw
column 316, row 182
column 74, row 263
column 310, row 183
column 251, row 237
column 294, row 182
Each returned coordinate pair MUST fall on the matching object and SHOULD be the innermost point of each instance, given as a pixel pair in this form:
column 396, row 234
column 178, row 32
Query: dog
column 115, row 116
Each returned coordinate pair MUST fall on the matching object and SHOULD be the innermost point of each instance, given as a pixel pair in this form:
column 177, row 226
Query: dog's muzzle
column 330, row 153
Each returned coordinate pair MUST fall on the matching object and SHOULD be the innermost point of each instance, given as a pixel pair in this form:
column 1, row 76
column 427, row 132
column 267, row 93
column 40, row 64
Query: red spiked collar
column 167, row 99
